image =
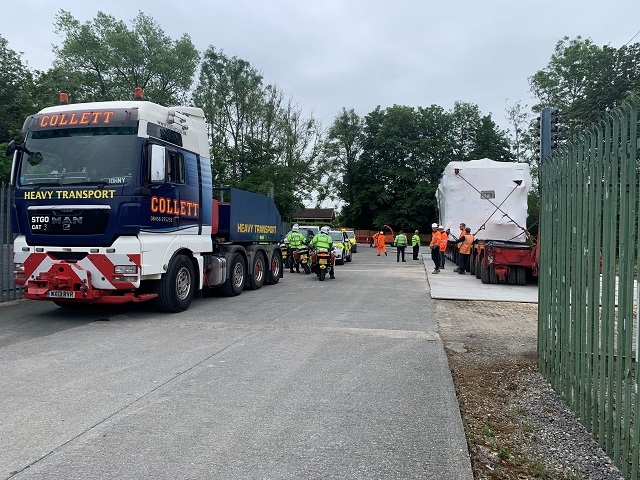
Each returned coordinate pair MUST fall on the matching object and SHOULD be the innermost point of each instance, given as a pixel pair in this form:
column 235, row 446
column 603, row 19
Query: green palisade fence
column 588, row 272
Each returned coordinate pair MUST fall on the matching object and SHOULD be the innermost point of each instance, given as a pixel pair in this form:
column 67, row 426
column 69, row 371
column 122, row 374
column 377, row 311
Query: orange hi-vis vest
column 461, row 234
column 435, row 238
column 444, row 238
column 465, row 247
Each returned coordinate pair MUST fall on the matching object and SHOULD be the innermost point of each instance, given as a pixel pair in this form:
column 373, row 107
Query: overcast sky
column 329, row 54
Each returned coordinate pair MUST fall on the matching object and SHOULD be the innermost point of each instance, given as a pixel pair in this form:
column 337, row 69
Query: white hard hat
column 434, row 225
column 381, row 232
column 441, row 227
column 295, row 227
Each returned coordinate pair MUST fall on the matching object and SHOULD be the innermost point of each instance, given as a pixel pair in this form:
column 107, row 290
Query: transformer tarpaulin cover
column 486, row 195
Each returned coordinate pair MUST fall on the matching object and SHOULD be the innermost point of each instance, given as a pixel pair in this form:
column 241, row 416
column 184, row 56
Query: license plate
column 60, row 294
column 322, row 261
column 303, row 258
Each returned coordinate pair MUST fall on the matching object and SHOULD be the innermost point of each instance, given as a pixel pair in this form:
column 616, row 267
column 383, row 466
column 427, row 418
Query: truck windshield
column 79, row 156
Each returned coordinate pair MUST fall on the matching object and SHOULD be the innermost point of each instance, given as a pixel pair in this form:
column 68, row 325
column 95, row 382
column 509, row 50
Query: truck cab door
column 175, row 198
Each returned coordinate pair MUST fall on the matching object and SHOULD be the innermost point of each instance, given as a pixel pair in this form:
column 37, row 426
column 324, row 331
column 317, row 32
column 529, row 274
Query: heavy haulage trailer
column 491, row 198
column 114, row 203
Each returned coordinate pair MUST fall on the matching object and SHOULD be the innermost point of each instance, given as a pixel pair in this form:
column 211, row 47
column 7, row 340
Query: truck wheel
column 484, row 273
column 472, row 264
column 258, row 271
column 512, row 275
column 234, row 285
column 322, row 274
column 273, row 276
column 478, row 267
column 175, row 289
column 521, row 276
column 493, row 276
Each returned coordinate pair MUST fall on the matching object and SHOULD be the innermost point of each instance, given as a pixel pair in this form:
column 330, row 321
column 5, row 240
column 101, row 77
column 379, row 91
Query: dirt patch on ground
column 515, row 424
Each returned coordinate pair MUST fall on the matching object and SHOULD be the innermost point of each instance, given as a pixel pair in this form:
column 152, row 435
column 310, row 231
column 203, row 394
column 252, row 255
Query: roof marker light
column 137, row 93
column 64, row 98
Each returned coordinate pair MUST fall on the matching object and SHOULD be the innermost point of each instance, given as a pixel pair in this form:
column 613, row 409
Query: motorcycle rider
column 323, row 242
column 296, row 241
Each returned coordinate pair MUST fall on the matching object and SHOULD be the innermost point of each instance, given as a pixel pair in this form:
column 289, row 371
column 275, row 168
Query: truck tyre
column 521, row 276
column 493, row 276
column 234, row 284
column 273, row 276
column 258, row 271
column 175, row 289
column 512, row 275
column 484, row 273
column 478, row 267
column 321, row 274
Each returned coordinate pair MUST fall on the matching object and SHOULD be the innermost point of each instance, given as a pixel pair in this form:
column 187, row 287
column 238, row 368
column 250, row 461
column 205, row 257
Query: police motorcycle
column 286, row 253
column 301, row 258
column 322, row 261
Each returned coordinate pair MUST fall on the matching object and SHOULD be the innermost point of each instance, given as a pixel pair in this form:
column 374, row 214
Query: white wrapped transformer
column 472, row 191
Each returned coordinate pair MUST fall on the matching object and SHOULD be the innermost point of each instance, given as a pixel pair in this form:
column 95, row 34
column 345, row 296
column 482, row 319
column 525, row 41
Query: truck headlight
column 129, row 269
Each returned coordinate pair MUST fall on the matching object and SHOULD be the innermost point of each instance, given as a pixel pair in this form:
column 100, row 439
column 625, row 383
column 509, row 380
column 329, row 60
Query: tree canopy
column 105, row 60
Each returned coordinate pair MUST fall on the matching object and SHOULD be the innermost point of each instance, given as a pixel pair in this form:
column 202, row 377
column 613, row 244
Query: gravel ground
column 516, row 425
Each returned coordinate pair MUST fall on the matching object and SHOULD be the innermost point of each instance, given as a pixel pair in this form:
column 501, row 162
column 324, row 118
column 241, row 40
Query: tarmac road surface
column 345, row 378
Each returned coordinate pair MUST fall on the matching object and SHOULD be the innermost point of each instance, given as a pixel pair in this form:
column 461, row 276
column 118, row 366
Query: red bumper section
column 59, row 280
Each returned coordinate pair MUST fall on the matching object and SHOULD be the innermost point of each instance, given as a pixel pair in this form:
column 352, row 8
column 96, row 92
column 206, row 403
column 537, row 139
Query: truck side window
column 175, row 167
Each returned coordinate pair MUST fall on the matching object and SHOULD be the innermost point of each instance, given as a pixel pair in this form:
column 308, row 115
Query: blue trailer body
column 246, row 217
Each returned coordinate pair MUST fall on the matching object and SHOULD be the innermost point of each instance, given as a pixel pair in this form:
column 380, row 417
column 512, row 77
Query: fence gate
column 8, row 289
column 588, row 295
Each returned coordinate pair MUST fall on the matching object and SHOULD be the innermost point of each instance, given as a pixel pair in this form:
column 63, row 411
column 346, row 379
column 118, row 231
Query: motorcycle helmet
column 324, row 229
column 295, row 227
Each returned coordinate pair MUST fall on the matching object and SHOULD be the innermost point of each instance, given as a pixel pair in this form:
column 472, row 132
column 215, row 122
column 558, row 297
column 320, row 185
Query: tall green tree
column 585, row 80
column 404, row 152
column 259, row 141
column 16, row 82
column 341, row 150
column 105, row 60
column 519, row 120
column 491, row 142
column 16, row 102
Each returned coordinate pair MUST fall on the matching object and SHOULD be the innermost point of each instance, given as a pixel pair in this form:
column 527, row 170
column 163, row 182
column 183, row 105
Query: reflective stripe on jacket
column 465, row 246
column 415, row 240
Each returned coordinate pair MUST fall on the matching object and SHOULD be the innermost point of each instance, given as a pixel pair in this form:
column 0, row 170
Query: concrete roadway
column 345, row 378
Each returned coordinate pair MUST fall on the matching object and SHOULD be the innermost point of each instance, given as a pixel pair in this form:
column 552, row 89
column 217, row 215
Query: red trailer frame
column 498, row 261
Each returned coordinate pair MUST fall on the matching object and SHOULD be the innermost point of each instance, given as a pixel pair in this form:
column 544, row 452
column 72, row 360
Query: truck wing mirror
column 11, row 148
column 158, row 165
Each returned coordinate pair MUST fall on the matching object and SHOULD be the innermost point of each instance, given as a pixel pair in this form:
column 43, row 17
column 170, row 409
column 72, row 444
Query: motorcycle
column 321, row 263
column 286, row 254
column 300, row 257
